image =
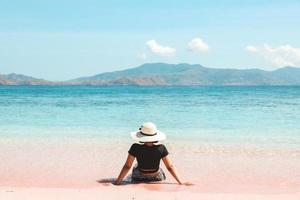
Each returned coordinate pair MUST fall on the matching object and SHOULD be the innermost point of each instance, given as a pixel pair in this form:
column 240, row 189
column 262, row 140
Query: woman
column 148, row 156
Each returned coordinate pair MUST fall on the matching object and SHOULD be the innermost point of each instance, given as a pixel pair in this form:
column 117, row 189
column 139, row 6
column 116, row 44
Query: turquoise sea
column 218, row 114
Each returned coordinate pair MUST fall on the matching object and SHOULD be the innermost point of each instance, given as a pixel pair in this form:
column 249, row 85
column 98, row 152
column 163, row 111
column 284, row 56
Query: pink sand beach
column 84, row 168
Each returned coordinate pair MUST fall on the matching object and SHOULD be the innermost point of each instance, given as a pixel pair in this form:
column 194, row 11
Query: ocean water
column 212, row 113
column 235, row 137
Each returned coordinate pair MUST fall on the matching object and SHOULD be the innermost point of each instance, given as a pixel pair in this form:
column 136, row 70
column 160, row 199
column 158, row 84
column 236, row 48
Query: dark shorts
column 137, row 176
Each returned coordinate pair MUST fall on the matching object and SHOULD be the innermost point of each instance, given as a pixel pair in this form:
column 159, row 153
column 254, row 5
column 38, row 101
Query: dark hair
column 151, row 142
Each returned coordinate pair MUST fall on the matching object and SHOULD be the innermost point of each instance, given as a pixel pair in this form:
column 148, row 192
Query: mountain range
column 172, row 74
column 19, row 79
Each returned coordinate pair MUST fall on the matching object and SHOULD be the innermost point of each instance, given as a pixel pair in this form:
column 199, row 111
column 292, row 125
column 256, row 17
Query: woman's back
column 148, row 156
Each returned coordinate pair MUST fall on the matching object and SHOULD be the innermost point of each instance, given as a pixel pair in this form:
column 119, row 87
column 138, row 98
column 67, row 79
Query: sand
column 38, row 169
column 140, row 192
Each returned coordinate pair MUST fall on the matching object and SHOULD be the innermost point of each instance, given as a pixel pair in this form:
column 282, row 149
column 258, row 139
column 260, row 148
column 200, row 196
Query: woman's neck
column 148, row 143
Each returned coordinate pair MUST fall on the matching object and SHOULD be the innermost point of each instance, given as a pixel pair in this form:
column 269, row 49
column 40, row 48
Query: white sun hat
column 148, row 133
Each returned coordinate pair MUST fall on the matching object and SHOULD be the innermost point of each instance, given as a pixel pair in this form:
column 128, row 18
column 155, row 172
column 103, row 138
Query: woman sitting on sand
column 148, row 156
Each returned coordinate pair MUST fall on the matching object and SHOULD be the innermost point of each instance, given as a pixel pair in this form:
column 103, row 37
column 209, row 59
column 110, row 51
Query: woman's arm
column 125, row 169
column 171, row 168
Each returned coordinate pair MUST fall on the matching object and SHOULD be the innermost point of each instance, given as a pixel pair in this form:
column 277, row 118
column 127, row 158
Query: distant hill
column 172, row 74
column 19, row 79
column 187, row 74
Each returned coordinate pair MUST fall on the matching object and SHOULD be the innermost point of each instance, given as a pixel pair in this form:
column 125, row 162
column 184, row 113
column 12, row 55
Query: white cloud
column 284, row 55
column 197, row 44
column 142, row 56
column 251, row 48
column 159, row 49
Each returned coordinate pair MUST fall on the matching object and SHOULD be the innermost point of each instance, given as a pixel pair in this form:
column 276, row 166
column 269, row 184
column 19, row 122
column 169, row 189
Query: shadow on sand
column 128, row 181
column 154, row 185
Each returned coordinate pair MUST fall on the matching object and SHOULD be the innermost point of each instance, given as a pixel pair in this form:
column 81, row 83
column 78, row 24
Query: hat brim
column 136, row 135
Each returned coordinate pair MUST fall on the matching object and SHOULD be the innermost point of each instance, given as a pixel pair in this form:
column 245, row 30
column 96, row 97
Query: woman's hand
column 116, row 183
column 187, row 184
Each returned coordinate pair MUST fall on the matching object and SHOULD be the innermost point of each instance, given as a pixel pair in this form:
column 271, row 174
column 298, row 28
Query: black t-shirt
column 148, row 157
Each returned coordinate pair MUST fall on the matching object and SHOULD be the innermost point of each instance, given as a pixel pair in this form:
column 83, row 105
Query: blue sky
column 60, row 40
